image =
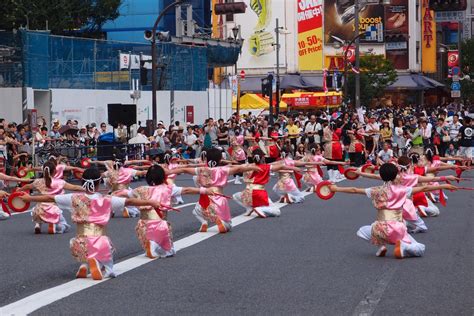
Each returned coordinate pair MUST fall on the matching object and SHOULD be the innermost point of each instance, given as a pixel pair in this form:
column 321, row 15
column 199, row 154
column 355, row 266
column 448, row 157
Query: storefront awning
column 414, row 82
column 287, row 82
column 252, row 101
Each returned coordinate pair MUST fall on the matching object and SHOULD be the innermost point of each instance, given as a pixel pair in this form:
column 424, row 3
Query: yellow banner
column 428, row 43
column 310, row 35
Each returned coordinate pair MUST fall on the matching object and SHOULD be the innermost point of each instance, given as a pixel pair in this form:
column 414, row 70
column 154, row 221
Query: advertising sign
column 396, row 23
column 428, row 33
column 339, row 20
column 258, row 25
column 310, row 34
column 453, row 58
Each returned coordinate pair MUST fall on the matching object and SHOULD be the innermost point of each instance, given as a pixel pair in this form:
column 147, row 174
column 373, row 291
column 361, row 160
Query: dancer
column 333, row 150
column 255, row 198
column 237, row 151
column 119, row 177
column 153, row 230
column 214, row 208
column 314, row 175
column 49, row 213
column 91, row 212
column 388, row 199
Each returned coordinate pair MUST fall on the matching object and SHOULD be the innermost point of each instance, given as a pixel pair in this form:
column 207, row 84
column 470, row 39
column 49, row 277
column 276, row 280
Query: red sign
column 351, row 57
column 311, row 100
column 190, row 114
column 453, row 58
column 242, row 75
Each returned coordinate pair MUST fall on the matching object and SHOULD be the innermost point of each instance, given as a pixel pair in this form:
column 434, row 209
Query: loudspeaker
column 122, row 113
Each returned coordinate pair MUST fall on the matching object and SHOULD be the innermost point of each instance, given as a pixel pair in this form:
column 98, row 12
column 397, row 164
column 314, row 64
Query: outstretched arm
column 280, row 167
column 242, row 168
column 368, row 175
column 10, row 178
column 191, row 171
column 424, row 179
column 38, row 198
column 333, row 162
column 429, row 188
column 72, row 187
column 350, row 190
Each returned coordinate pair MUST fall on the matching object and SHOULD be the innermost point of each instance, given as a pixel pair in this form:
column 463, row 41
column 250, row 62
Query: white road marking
column 38, row 300
column 368, row 304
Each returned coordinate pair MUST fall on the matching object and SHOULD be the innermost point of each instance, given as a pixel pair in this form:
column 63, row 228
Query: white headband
column 211, row 164
column 89, row 184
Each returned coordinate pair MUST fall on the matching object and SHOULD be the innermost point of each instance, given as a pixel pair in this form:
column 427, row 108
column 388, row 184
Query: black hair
column 155, row 175
column 260, row 155
column 92, row 173
column 388, row 172
column 49, row 169
column 429, row 154
column 414, row 158
column 404, row 161
column 313, row 148
column 213, row 157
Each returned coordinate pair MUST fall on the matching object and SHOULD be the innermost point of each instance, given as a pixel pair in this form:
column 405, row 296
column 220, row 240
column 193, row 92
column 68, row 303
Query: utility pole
column 153, row 59
column 277, row 93
column 357, row 54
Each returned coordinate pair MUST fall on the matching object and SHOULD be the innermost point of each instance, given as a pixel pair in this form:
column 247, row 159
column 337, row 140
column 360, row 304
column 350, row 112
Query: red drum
column 86, row 162
column 22, row 172
column 16, row 204
column 78, row 174
column 369, row 168
column 323, row 191
column 351, row 174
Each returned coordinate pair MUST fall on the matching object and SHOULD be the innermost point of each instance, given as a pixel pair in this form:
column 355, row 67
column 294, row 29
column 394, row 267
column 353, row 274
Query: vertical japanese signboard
column 428, row 33
column 310, row 34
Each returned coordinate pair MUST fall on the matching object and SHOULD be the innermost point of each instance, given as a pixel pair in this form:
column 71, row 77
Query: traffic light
column 267, row 85
column 229, row 8
column 448, row 5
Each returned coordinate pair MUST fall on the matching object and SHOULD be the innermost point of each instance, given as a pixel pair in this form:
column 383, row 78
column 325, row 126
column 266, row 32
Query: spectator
column 454, row 128
column 385, row 155
column 466, row 141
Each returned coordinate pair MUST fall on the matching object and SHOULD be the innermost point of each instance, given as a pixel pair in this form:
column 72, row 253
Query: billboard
column 339, row 21
column 258, row 25
column 396, row 26
column 428, row 34
column 310, row 34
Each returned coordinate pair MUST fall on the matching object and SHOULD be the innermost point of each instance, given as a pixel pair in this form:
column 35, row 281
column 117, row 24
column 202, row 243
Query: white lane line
column 368, row 304
column 35, row 301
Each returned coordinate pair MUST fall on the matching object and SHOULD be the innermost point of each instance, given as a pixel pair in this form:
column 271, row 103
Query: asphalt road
column 308, row 261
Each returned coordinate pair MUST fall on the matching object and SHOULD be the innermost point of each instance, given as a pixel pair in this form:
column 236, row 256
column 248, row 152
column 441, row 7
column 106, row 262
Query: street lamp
column 236, row 35
column 153, row 58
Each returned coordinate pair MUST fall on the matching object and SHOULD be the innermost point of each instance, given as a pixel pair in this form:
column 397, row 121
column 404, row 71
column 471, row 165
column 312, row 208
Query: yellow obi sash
column 91, row 230
column 149, row 215
column 252, row 186
column 389, row 215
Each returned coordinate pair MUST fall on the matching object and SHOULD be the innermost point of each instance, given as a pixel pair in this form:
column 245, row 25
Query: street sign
column 456, row 71
column 242, row 75
column 456, row 86
column 455, row 94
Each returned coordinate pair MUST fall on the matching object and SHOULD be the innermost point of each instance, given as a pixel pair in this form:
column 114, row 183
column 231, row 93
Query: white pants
column 296, row 196
column 109, row 268
column 176, row 197
column 133, row 211
column 414, row 249
column 197, row 212
column 159, row 252
column 268, row 211
column 416, row 226
column 431, row 209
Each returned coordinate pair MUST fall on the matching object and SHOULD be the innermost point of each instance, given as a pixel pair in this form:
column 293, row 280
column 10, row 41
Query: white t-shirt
column 385, row 156
column 314, row 128
column 64, row 201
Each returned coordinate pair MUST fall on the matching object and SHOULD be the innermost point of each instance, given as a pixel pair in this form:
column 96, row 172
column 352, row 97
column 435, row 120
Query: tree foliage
column 376, row 74
column 467, row 64
column 60, row 15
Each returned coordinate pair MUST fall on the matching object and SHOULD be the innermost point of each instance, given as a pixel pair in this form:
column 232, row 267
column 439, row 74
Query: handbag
column 446, row 138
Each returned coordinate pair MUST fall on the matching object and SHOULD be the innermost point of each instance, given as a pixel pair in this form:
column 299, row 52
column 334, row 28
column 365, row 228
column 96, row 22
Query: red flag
column 320, row 171
column 204, row 201
column 442, row 199
column 341, row 169
column 298, row 177
column 458, row 173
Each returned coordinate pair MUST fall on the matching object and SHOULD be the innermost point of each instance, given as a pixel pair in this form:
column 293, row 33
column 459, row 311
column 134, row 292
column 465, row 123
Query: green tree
column 467, row 64
column 59, row 15
column 376, row 74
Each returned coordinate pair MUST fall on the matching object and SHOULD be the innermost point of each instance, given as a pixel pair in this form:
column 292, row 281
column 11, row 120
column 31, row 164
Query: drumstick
column 170, row 208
